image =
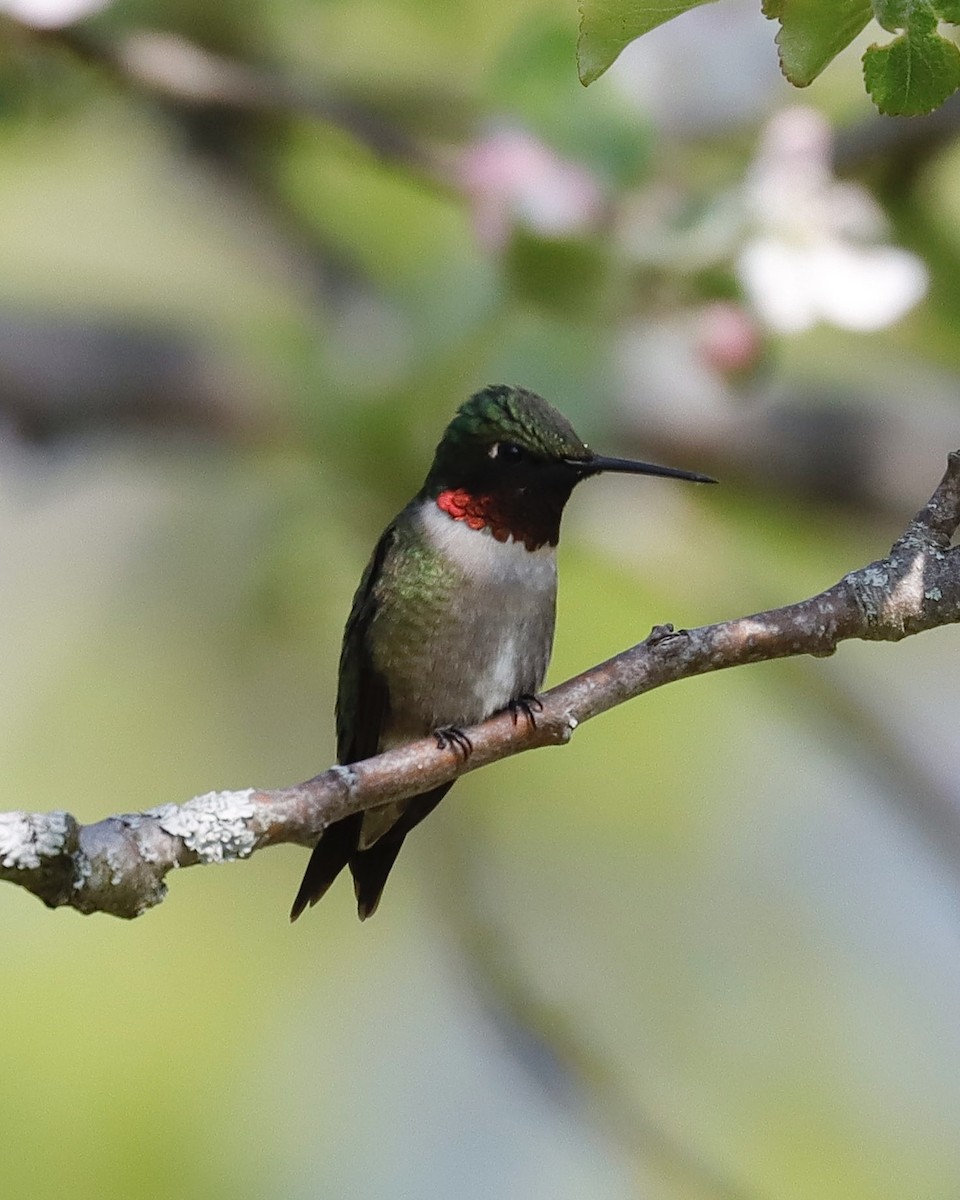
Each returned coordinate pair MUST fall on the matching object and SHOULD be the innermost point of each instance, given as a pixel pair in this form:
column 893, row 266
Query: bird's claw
column 449, row 737
column 528, row 704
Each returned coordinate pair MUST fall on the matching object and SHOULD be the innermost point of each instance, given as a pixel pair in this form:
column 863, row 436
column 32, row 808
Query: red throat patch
column 483, row 512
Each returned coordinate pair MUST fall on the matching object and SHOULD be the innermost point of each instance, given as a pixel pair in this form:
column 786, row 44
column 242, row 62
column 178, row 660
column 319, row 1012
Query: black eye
column 507, row 452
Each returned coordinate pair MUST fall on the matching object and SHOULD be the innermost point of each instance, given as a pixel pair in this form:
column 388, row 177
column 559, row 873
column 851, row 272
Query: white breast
column 456, row 657
column 485, row 560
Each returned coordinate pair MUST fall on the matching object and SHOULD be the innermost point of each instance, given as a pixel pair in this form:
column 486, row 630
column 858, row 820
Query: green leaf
column 916, row 15
column 813, row 32
column 916, row 72
column 913, row 74
column 606, row 26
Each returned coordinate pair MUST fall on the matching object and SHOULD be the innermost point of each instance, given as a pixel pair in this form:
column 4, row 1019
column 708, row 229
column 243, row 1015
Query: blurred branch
column 557, row 1051
column 64, row 376
column 232, row 116
column 173, row 68
column 900, row 146
column 118, row 865
column 917, row 785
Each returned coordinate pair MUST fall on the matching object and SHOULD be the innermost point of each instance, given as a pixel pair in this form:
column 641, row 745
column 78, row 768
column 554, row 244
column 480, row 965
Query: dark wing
column 363, row 703
column 363, row 706
column 358, row 731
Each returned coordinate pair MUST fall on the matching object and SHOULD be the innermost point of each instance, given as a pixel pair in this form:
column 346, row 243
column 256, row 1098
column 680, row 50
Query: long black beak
column 597, row 463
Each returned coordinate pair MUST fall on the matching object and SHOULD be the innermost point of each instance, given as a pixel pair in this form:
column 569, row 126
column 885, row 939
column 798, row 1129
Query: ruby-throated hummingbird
column 454, row 616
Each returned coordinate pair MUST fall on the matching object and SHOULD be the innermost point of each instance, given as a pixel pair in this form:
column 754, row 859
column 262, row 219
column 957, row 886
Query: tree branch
column 172, row 68
column 118, row 865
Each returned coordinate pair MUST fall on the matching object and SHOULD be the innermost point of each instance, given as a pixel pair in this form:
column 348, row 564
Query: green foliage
column 914, row 73
column 607, row 26
column 813, row 32
column 916, row 15
column 910, row 76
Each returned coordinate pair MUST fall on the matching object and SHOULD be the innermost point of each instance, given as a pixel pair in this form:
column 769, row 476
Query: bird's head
column 509, row 461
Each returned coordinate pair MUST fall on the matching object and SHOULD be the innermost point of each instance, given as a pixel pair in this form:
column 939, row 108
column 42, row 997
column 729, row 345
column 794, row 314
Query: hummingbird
column 454, row 616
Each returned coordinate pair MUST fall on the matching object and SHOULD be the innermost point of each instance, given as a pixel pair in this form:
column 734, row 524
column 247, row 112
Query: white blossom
column 817, row 251
column 51, row 14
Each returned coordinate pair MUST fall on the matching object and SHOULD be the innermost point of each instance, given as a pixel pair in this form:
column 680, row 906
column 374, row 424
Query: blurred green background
column 252, row 256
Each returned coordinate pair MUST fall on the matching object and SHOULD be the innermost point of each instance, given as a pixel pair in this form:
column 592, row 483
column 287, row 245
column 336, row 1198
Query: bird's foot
column 527, row 704
column 449, row 737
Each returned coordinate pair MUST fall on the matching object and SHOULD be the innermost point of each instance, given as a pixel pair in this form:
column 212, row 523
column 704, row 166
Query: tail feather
column 330, row 855
column 338, row 846
column 371, row 867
